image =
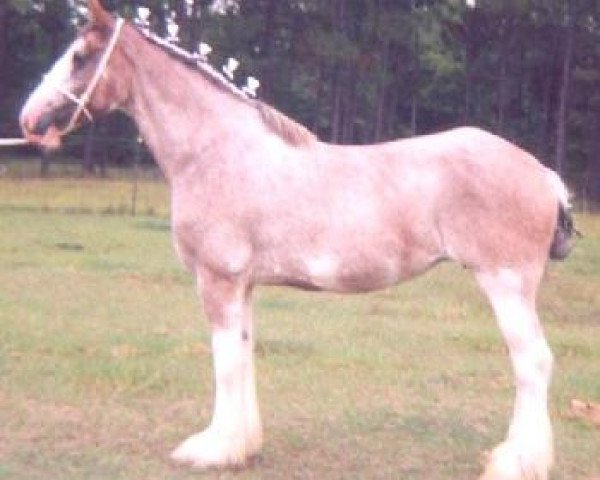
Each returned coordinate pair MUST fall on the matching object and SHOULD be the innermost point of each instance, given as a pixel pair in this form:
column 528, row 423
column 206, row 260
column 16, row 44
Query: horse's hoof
column 208, row 449
column 508, row 462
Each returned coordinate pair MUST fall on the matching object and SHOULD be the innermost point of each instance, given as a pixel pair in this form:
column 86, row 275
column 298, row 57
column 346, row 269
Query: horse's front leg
column 235, row 432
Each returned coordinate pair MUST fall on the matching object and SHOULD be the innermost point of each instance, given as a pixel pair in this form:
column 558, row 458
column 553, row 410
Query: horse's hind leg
column 235, row 432
column 527, row 452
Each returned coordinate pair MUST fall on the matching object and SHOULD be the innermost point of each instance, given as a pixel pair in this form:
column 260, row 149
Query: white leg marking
column 236, row 406
column 527, row 452
column 235, row 432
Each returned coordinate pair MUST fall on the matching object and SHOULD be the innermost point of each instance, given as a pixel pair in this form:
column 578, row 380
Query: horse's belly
column 350, row 273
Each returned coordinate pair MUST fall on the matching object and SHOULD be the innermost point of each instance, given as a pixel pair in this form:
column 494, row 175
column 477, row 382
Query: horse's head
column 86, row 81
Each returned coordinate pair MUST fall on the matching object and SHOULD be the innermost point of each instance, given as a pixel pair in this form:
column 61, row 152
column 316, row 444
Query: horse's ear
column 97, row 14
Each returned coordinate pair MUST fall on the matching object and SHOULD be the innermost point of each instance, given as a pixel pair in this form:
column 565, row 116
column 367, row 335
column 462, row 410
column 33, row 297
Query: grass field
column 105, row 360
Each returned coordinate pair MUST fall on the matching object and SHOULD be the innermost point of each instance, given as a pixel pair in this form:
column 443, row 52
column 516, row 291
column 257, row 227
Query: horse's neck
column 181, row 115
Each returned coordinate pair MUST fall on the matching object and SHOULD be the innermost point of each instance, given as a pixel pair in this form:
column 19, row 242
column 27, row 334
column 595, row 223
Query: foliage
column 358, row 71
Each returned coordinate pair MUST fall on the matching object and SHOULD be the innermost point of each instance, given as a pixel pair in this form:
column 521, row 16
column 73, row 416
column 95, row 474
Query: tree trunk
column 545, row 124
column 336, row 112
column 3, row 34
column 468, row 91
column 593, row 167
column 469, row 81
column 348, row 132
column 267, row 35
column 3, row 49
column 502, row 81
column 382, row 97
column 390, row 126
column 270, row 75
column 561, row 121
column 417, row 66
column 414, row 110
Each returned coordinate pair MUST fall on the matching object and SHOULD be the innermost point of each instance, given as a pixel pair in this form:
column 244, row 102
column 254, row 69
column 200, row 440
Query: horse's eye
column 79, row 59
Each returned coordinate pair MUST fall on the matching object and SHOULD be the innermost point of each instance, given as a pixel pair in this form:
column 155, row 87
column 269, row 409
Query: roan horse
column 258, row 200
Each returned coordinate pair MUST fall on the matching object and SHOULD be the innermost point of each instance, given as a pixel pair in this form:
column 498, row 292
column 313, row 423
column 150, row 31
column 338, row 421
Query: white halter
column 83, row 100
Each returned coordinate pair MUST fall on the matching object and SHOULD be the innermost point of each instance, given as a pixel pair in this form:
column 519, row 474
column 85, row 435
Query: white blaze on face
column 54, row 82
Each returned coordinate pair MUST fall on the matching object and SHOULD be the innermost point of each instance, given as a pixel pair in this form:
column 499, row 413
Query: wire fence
column 125, row 161
column 128, row 183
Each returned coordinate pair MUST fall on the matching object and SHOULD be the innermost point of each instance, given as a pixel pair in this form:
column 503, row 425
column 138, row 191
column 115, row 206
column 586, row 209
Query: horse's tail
column 562, row 243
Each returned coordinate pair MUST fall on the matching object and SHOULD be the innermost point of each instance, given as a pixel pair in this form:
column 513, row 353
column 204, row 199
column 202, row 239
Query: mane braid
column 286, row 128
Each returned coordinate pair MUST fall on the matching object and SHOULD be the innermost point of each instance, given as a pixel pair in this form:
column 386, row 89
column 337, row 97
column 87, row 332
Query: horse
column 258, row 200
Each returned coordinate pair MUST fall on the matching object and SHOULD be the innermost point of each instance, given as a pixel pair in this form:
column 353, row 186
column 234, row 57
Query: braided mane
column 290, row 131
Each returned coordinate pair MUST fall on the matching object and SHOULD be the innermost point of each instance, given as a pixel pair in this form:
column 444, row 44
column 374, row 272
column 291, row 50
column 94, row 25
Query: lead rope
column 83, row 100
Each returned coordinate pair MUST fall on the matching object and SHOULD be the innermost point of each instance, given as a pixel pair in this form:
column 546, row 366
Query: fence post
column 136, row 165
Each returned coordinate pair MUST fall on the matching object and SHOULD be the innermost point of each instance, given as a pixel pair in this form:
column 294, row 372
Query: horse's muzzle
column 45, row 129
column 43, row 124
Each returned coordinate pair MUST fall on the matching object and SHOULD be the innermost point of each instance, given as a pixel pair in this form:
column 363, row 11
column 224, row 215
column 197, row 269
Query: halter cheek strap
column 83, row 100
column 77, row 100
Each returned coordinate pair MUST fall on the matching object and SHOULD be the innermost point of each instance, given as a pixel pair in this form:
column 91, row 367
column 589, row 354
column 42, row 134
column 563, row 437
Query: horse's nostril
column 42, row 125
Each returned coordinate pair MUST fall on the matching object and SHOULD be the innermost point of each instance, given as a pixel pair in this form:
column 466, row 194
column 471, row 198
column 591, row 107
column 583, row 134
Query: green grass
column 105, row 362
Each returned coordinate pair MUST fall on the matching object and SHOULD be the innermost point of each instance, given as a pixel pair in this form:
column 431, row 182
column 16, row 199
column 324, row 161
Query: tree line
column 362, row 71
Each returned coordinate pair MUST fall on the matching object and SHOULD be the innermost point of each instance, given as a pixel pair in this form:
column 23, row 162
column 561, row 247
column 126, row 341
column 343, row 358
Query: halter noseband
column 83, row 100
